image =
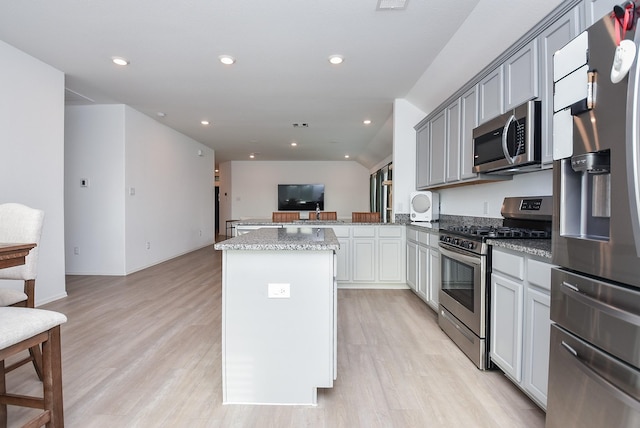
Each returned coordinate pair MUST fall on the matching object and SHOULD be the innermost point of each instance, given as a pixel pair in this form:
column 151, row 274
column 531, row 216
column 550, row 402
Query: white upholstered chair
column 21, row 224
column 21, row 329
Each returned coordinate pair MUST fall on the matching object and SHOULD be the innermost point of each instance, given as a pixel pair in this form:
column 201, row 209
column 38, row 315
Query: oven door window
column 458, row 280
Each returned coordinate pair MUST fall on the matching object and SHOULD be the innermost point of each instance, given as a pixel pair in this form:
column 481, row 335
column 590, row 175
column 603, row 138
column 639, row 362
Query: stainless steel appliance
column 466, row 268
column 594, row 366
column 509, row 143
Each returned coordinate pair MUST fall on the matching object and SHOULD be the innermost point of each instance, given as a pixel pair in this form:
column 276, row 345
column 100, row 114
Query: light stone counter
column 536, row 247
column 285, row 238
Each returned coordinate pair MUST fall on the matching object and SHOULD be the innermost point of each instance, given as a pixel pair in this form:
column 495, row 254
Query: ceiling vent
column 300, row 125
column 72, row 98
column 392, row 4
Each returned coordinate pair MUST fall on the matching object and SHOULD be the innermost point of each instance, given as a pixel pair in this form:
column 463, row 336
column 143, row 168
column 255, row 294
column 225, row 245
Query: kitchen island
column 278, row 315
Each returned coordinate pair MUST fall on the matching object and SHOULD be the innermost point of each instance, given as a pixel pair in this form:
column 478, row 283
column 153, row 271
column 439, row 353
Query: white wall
column 471, row 200
column 254, row 185
column 118, row 149
column 405, row 117
column 31, row 149
column 94, row 220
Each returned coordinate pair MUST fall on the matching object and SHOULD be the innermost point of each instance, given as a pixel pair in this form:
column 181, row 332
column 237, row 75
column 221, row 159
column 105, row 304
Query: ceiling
column 281, row 76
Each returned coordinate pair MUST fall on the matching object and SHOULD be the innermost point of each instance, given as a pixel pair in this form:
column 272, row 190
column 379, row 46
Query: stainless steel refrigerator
column 594, row 367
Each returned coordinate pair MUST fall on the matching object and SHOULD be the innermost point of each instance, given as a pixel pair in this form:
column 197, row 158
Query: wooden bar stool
column 278, row 216
column 365, row 217
column 324, row 215
column 21, row 329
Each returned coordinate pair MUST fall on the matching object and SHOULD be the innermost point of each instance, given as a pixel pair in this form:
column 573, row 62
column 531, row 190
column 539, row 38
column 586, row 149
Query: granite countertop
column 536, row 247
column 303, row 222
column 285, row 238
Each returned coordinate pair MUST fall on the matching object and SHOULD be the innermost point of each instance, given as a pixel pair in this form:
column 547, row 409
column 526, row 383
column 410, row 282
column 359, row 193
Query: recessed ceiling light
column 119, row 61
column 216, row 170
column 252, row 156
column 204, row 122
column 367, row 122
column 226, row 59
column 161, row 114
column 294, row 144
column 336, row 59
column 346, row 156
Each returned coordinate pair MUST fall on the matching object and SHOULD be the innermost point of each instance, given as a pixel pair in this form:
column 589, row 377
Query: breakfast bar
column 278, row 315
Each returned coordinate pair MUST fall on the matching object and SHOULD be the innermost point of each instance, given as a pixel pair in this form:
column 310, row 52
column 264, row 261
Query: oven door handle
column 458, row 255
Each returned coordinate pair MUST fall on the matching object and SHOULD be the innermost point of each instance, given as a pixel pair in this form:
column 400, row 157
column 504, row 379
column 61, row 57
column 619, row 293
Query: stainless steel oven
column 466, row 268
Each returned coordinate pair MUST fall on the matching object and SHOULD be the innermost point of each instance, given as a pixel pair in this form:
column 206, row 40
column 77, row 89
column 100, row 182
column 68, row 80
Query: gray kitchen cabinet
column 391, row 257
column 412, row 264
column 423, row 264
column 468, row 121
column 343, row 254
column 452, row 142
column 434, row 274
column 491, row 95
column 550, row 40
column 364, row 254
column 506, row 325
column 422, row 157
column 521, row 76
column 520, row 320
column 596, row 9
column 437, row 148
column 424, row 270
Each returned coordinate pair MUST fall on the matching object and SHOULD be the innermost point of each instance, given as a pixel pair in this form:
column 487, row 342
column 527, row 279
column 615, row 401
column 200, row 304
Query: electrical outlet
column 76, row 251
column 279, row 291
column 148, row 245
column 486, row 208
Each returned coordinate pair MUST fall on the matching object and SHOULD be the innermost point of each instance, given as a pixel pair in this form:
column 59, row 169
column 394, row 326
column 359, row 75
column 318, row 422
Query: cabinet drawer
column 341, row 231
column 508, row 263
column 423, row 238
column 412, row 235
column 539, row 274
column 364, row 232
column 390, row 232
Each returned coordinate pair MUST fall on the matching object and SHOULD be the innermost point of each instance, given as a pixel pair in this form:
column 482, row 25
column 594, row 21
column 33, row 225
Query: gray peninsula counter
column 279, row 324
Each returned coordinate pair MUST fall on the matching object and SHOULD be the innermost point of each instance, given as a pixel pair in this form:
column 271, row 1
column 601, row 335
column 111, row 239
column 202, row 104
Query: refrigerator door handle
column 598, row 305
column 633, row 147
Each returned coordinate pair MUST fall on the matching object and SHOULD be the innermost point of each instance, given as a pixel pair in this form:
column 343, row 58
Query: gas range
column 524, row 218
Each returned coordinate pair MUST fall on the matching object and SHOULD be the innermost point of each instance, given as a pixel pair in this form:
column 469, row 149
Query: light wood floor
column 144, row 351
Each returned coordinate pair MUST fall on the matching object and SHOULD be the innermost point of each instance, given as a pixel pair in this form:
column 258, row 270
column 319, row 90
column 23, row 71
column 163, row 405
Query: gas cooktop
column 498, row 232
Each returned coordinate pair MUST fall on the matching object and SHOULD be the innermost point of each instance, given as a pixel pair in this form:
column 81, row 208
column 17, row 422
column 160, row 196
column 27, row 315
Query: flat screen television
column 300, row 197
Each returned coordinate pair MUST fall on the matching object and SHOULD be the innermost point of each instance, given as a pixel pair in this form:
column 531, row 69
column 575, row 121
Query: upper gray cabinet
column 422, row 156
column 596, row 9
column 550, row 40
column 437, row 147
column 452, row 148
column 468, row 121
column 521, row 77
column 490, row 93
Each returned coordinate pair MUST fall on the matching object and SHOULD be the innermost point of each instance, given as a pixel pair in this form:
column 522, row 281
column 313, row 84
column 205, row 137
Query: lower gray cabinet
column 520, row 320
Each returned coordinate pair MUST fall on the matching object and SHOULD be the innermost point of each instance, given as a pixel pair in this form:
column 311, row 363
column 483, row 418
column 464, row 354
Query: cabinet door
column 536, row 344
column 468, row 121
column 437, row 154
column 390, row 260
column 453, row 142
column 521, row 76
column 412, row 265
column 491, row 97
column 364, row 257
column 596, row 9
column 434, row 278
column 423, row 271
column 506, row 325
column 343, row 260
column 422, row 157
column 550, row 40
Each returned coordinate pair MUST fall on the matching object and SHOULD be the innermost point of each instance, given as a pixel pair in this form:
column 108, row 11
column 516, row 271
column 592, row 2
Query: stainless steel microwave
column 509, row 143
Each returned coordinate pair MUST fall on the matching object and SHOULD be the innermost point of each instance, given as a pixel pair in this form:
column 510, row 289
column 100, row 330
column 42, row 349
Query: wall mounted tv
column 300, row 197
